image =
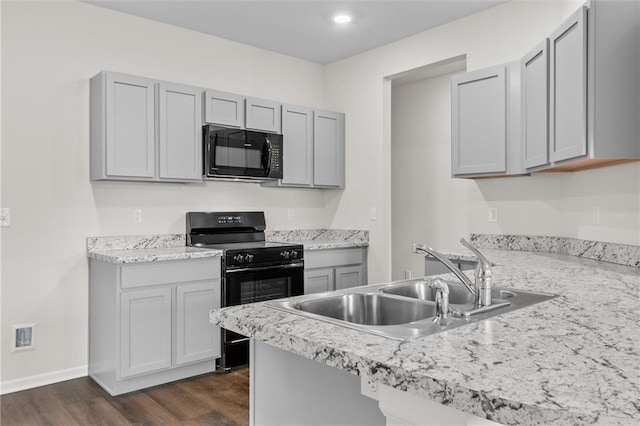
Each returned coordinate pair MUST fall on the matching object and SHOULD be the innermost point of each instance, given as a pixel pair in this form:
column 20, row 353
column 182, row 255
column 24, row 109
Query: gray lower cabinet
column 313, row 143
column 144, row 130
column 319, row 280
column 334, row 269
column 149, row 322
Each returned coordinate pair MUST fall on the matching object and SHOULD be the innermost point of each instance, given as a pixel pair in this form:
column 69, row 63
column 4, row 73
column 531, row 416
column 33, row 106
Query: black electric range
column 253, row 270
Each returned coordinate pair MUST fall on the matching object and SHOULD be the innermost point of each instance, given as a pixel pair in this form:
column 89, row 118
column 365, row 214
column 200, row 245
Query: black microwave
column 241, row 154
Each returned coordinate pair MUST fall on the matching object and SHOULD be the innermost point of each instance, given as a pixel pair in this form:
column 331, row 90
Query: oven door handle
column 267, row 268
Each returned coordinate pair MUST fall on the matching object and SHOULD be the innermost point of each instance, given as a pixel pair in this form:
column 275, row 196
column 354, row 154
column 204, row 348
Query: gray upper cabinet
column 479, row 121
column 180, row 132
column 297, row 130
column 593, row 105
column 313, row 143
column 122, row 127
column 535, row 106
column 262, row 114
column 224, row 109
column 328, row 149
column 144, row 130
column 568, row 88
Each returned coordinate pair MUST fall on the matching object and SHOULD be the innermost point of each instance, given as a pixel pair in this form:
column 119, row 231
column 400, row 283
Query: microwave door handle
column 269, row 148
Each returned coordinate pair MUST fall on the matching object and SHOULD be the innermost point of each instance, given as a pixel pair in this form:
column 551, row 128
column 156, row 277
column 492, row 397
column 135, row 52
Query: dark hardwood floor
column 212, row 399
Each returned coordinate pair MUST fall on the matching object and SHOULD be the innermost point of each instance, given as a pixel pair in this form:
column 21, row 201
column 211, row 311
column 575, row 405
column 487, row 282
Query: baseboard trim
column 38, row 380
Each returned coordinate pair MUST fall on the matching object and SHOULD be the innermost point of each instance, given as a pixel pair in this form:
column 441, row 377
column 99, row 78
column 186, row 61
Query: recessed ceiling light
column 341, row 19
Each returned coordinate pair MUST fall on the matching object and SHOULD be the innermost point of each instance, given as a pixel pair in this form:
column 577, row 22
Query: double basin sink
column 405, row 309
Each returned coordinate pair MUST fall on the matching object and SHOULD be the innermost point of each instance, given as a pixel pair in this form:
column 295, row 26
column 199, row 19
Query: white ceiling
column 301, row 28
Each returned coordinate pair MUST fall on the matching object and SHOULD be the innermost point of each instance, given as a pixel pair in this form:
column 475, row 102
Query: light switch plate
column 5, row 217
column 137, row 216
column 493, row 214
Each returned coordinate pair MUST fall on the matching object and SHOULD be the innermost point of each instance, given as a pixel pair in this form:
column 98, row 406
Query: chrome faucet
column 481, row 289
column 482, row 276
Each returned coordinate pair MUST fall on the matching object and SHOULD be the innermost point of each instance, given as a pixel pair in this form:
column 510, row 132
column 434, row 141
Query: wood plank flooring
column 211, row 399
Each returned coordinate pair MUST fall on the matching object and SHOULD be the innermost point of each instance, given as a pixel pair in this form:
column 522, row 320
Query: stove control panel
column 243, row 258
column 289, row 254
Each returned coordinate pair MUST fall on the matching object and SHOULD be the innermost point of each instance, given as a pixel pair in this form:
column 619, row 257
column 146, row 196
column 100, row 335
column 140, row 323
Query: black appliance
column 241, row 154
column 253, row 270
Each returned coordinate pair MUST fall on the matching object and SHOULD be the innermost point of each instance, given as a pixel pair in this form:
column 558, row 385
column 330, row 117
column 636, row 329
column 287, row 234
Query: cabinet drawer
column 145, row 274
column 332, row 257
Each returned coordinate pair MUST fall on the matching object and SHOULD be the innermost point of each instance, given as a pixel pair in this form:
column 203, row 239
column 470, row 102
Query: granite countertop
column 570, row 360
column 144, row 248
column 321, row 239
column 152, row 254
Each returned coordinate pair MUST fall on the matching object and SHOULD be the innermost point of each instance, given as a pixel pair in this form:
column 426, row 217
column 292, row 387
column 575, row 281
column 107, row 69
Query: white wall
column 542, row 205
column 423, row 195
column 49, row 52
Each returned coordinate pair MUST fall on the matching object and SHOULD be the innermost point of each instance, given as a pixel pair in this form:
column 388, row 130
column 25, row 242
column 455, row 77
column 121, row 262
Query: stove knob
column 238, row 258
column 285, row 254
column 248, row 257
column 294, row 254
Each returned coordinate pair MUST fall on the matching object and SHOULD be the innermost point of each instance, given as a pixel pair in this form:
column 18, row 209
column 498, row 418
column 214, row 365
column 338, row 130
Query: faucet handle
column 483, row 269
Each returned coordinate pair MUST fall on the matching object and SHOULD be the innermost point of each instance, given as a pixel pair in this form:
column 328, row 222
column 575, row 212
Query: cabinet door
column 535, row 106
column 328, row 149
column 318, row 280
column 261, row 114
column 145, row 331
column 297, row 134
column 349, row 276
column 196, row 338
column 568, row 88
column 180, row 132
column 225, row 109
column 479, row 122
column 130, row 126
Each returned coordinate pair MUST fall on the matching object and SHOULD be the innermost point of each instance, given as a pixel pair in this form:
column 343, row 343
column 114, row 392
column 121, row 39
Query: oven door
column 255, row 284
column 237, row 153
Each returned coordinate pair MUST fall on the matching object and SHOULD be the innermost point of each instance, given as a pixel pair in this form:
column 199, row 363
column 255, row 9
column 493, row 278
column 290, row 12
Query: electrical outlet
column 290, row 215
column 493, row 214
column 23, row 337
column 595, row 215
column 5, row 218
column 137, row 216
column 373, row 214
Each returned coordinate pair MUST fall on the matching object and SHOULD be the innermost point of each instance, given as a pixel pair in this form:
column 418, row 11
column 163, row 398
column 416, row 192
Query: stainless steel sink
column 458, row 294
column 402, row 310
column 368, row 308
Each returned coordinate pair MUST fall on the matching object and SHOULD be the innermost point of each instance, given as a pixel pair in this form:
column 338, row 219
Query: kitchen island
column 570, row 360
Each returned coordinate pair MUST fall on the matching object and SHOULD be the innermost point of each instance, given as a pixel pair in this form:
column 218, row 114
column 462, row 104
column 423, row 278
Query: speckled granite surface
column 144, row 248
column 318, row 239
column 152, row 254
column 568, row 361
column 131, row 242
column 621, row 254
